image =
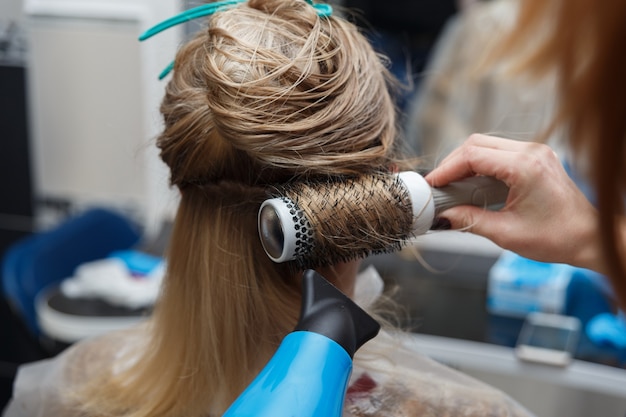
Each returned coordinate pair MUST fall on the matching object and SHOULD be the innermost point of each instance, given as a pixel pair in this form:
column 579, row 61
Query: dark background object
column 405, row 31
column 16, row 213
column 415, row 17
column 16, row 191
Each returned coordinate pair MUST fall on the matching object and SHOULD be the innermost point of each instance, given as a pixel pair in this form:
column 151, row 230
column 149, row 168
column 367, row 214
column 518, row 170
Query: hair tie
column 323, row 10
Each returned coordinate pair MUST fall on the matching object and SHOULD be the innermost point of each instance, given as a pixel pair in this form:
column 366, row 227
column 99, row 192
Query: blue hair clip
column 323, row 10
column 187, row 15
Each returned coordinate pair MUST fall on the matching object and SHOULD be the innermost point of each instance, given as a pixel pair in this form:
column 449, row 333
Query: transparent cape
column 389, row 377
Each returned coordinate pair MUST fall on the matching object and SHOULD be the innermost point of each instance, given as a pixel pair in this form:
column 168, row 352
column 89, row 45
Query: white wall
column 94, row 97
column 10, row 9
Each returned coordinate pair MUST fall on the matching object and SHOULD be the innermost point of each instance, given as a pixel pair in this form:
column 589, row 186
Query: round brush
column 317, row 224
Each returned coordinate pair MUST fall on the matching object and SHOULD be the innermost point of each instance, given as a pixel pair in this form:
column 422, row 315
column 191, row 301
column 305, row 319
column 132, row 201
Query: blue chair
column 46, row 258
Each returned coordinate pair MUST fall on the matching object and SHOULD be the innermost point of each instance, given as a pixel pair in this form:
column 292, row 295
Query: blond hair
column 269, row 93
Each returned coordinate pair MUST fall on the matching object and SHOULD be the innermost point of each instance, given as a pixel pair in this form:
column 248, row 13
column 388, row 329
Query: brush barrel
column 286, row 233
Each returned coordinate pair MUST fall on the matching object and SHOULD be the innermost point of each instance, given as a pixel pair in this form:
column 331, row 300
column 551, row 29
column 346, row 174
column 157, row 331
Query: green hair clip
column 323, row 10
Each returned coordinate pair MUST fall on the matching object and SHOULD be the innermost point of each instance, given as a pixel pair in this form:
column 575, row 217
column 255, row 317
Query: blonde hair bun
column 299, row 93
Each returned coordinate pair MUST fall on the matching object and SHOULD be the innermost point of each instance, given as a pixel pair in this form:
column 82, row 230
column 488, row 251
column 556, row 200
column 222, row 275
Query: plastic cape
column 389, row 379
column 398, row 382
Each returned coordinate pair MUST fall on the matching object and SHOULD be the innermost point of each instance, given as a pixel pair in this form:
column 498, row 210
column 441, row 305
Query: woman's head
column 270, row 93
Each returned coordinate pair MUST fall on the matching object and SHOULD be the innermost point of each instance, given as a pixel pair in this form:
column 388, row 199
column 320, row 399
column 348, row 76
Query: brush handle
column 479, row 191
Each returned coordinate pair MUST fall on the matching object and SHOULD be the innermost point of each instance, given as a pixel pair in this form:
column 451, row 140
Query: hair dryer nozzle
column 329, row 312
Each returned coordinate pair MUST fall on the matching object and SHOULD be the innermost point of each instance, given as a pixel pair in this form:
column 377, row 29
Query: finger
column 492, row 142
column 495, row 142
column 477, row 160
column 476, row 220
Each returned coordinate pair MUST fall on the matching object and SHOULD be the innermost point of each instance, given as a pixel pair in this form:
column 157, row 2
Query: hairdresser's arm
column 545, row 218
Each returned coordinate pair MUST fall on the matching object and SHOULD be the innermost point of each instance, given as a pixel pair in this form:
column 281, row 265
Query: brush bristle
column 351, row 218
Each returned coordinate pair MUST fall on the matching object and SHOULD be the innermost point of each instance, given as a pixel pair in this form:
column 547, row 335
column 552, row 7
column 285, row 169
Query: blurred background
column 80, row 180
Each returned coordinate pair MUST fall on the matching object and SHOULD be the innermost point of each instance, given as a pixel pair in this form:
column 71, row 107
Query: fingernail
column 441, row 223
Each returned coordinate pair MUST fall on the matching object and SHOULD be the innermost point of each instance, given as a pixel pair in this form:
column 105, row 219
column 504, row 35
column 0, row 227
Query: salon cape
column 390, row 378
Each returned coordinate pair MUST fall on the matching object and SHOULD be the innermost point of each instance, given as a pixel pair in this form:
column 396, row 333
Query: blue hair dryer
column 308, row 375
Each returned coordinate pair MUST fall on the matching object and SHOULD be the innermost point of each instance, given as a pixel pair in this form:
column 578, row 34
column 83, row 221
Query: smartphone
column 549, row 339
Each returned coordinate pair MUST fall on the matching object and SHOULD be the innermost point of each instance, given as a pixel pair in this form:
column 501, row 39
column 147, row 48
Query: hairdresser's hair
column 583, row 41
column 269, row 93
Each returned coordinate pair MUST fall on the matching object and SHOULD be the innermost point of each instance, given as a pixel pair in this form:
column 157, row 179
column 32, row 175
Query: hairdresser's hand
column 545, row 218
